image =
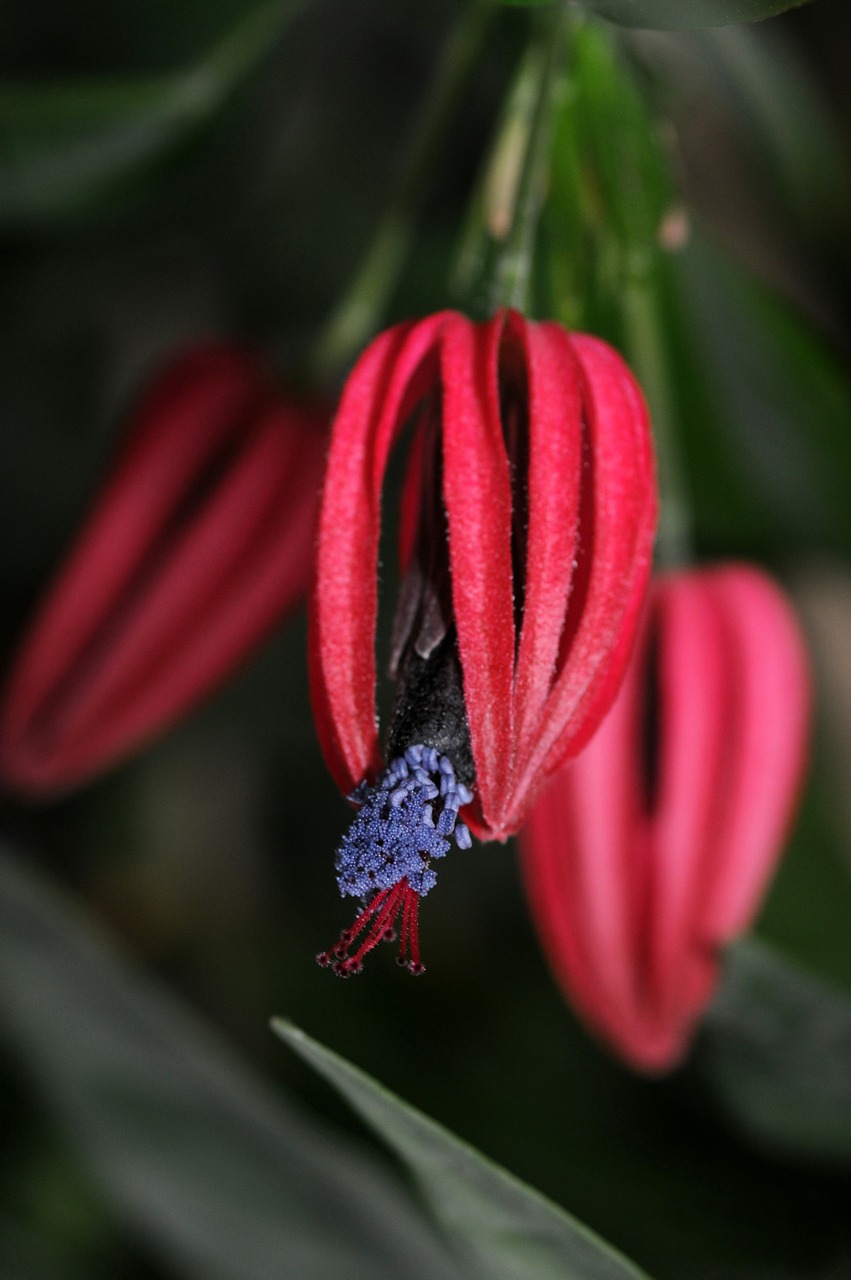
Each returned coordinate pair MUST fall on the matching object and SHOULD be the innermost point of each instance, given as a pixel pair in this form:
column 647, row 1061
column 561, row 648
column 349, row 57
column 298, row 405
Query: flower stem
column 357, row 315
column 537, row 94
column 648, row 355
column 496, row 255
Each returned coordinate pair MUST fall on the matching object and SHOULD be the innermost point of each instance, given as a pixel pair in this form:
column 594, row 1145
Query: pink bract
column 201, row 539
column 653, row 849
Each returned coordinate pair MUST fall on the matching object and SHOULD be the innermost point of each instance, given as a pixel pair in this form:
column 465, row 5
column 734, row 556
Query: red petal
column 555, row 470
column 181, row 423
column 377, row 397
column 773, row 704
column 581, row 867
column 634, row 905
column 198, row 575
column 698, row 756
column 604, row 614
column 477, row 493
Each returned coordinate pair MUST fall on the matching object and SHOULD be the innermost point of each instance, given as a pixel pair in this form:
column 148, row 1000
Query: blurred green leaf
column 777, row 1050
column 508, row 1230
column 610, row 211
column 781, row 117
column 72, row 148
column 225, row 1180
column 24, row 1256
column 609, row 187
column 780, row 403
column 678, row 15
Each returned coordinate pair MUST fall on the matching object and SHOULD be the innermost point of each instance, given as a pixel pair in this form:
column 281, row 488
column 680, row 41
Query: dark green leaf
column 777, row 1049
column 25, row 1257
column 226, row 1180
column 678, row 15
column 781, row 401
column 609, row 187
column 780, row 115
column 508, row 1230
column 74, row 147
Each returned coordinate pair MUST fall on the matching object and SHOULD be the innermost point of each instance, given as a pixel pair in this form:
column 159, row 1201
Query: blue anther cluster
column 403, row 824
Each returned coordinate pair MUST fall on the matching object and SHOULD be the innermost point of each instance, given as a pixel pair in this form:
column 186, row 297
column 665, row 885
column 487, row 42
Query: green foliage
column 224, row 1179
column 729, row 367
column 678, row 15
column 505, row 1229
column 609, row 188
column 777, row 1049
column 496, row 258
column 780, row 118
column 766, row 408
column 78, row 147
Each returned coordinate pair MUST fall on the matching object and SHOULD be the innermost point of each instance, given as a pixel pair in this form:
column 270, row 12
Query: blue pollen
column 406, row 821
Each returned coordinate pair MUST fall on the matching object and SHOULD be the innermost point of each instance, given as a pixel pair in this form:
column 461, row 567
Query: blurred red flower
column 653, row 849
column 199, row 542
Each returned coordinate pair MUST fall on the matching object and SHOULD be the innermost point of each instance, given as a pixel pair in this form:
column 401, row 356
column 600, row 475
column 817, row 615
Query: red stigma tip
column 389, row 908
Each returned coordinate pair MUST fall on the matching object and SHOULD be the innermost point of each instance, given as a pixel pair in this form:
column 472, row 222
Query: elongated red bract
column 653, row 849
column 199, row 542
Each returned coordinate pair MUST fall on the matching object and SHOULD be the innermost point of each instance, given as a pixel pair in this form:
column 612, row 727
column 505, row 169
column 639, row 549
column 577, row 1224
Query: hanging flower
column 199, row 542
column 526, row 523
column 653, row 849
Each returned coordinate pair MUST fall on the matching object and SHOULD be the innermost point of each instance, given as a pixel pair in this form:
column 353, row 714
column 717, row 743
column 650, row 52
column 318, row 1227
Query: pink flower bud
column 654, row 848
column 199, row 542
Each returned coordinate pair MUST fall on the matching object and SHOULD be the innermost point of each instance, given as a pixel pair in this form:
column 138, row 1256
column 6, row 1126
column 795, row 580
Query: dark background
column 210, row 855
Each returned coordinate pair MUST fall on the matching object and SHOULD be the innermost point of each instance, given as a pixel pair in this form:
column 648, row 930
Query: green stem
column 648, row 356
column 357, row 315
column 535, row 101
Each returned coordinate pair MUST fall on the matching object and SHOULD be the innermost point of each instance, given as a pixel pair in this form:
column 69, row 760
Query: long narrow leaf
column 777, row 1050
column 224, row 1179
column 677, row 15
column 506, row 1229
column 74, row 147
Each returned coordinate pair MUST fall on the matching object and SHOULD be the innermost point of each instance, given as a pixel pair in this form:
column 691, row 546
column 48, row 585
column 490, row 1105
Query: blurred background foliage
column 171, row 170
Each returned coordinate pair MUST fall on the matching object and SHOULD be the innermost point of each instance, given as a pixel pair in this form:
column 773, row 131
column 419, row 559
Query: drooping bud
column 652, row 850
column 526, row 527
column 199, row 542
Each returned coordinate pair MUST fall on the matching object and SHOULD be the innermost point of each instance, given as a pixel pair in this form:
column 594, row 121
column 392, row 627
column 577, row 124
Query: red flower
column 527, row 518
column 653, row 849
column 200, row 540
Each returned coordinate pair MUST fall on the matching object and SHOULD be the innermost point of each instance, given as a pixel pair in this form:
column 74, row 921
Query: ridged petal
column 378, row 394
column 580, row 865
column 697, row 758
column 477, row 493
column 553, row 482
column 204, row 537
column 605, row 609
column 633, row 903
column 774, row 697
column 185, row 420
